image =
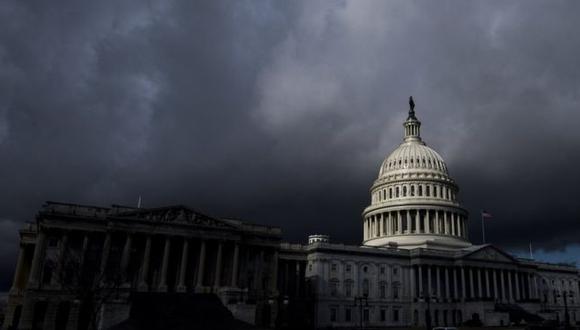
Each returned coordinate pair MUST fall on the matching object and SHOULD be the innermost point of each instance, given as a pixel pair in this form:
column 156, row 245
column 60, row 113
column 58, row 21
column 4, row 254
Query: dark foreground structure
column 87, row 267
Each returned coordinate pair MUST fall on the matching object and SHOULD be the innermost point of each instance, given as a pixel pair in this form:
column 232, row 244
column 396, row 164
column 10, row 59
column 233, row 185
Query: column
column 365, row 225
column 453, row 226
column 509, row 280
column 429, row 286
column 39, row 249
column 419, row 268
column 503, row 291
column 437, row 227
column 471, row 283
column 479, row 286
column 399, row 223
column 125, row 257
column 201, row 265
column 517, row 283
column 298, row 277
column 183, row 266
column 164, row 265
column 106, row 251
column 218, row 266
column 487, row 291
column 427, row 224
column 463, row 291
column 145, row 265
column 495, row 291
column 16, row 283
column 455, row 291
column 438, row 279
column 530, row 289
column 445, row 226
column 412, row 282
column 234, row 282
column 417, row 221
column 408, row 221
column 447, row 283
column 58, row 275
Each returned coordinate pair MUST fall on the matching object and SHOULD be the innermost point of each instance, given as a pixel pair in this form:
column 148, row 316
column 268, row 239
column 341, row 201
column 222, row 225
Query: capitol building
column 415, row 265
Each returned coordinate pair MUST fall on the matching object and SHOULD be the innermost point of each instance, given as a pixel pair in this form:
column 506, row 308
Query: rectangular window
column 333, row 314
column 383, row 290
column 395, row 270
column 382, row 270
column 383, row 315
column 395, row 315
column 333, row 267
column 347, row 315
column 348, row 289
column 366, row 315
column 348, row 268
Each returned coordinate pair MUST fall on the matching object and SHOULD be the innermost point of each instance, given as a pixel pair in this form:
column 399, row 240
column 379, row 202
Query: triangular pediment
column 489, row 253
column 178, row 214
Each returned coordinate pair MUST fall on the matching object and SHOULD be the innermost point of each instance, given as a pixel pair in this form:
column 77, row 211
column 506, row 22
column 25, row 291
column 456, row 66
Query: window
column 382, row 269
column 366, row 288
column 420, row 191
column 348, row 267
column 333, row 314
column 348, row 288
column 396, row 286
column 333, row 267
column 395, row 315
column 347, row 315
column 365, row 269
column 397, row 192
column 404, row 191
column 366, row 315
column 383, row 290
column 427, row 191
column 309, row 267
column 390, row 192
column 412, row 190
column 383, row 315
column 334, row 287
column 395, row 269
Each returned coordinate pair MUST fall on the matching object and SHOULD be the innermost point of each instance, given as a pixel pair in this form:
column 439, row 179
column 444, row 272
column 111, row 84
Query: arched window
column 412, row 190
column 427, row 190
column 384, row 194
column 390, row 193
column 420, row 190
column 397, row 192
column 404, row 191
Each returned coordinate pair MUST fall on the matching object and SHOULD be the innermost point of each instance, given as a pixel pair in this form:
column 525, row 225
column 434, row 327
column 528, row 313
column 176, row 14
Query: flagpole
column 482, row 228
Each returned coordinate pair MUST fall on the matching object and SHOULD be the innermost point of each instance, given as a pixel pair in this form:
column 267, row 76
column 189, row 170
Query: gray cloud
column 281, row 113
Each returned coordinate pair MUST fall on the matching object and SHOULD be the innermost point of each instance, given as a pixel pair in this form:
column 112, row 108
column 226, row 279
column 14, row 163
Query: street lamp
column 427, row 298
column 361, row 301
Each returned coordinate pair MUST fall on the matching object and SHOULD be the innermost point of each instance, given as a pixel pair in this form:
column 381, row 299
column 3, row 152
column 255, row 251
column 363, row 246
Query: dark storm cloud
column 280, row 113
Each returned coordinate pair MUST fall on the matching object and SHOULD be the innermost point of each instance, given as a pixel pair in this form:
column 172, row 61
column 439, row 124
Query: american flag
column 486, row 215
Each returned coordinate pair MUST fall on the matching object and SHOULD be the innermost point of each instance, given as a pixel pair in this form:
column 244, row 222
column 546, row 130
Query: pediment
column 489, row 253
column 175, row 215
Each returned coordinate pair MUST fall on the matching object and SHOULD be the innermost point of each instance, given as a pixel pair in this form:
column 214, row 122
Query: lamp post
column 361, row 301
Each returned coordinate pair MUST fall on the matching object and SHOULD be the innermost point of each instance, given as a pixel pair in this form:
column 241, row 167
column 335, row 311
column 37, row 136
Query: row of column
column 413, row 190
column 465, row 282
column 40, row 251
column 414, row 221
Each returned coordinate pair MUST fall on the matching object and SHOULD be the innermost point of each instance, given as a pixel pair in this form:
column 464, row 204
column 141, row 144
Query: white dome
column 414, row 200
column 413, row 156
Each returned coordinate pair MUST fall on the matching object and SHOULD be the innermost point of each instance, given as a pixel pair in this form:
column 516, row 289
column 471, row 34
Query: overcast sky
column 281, row 112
